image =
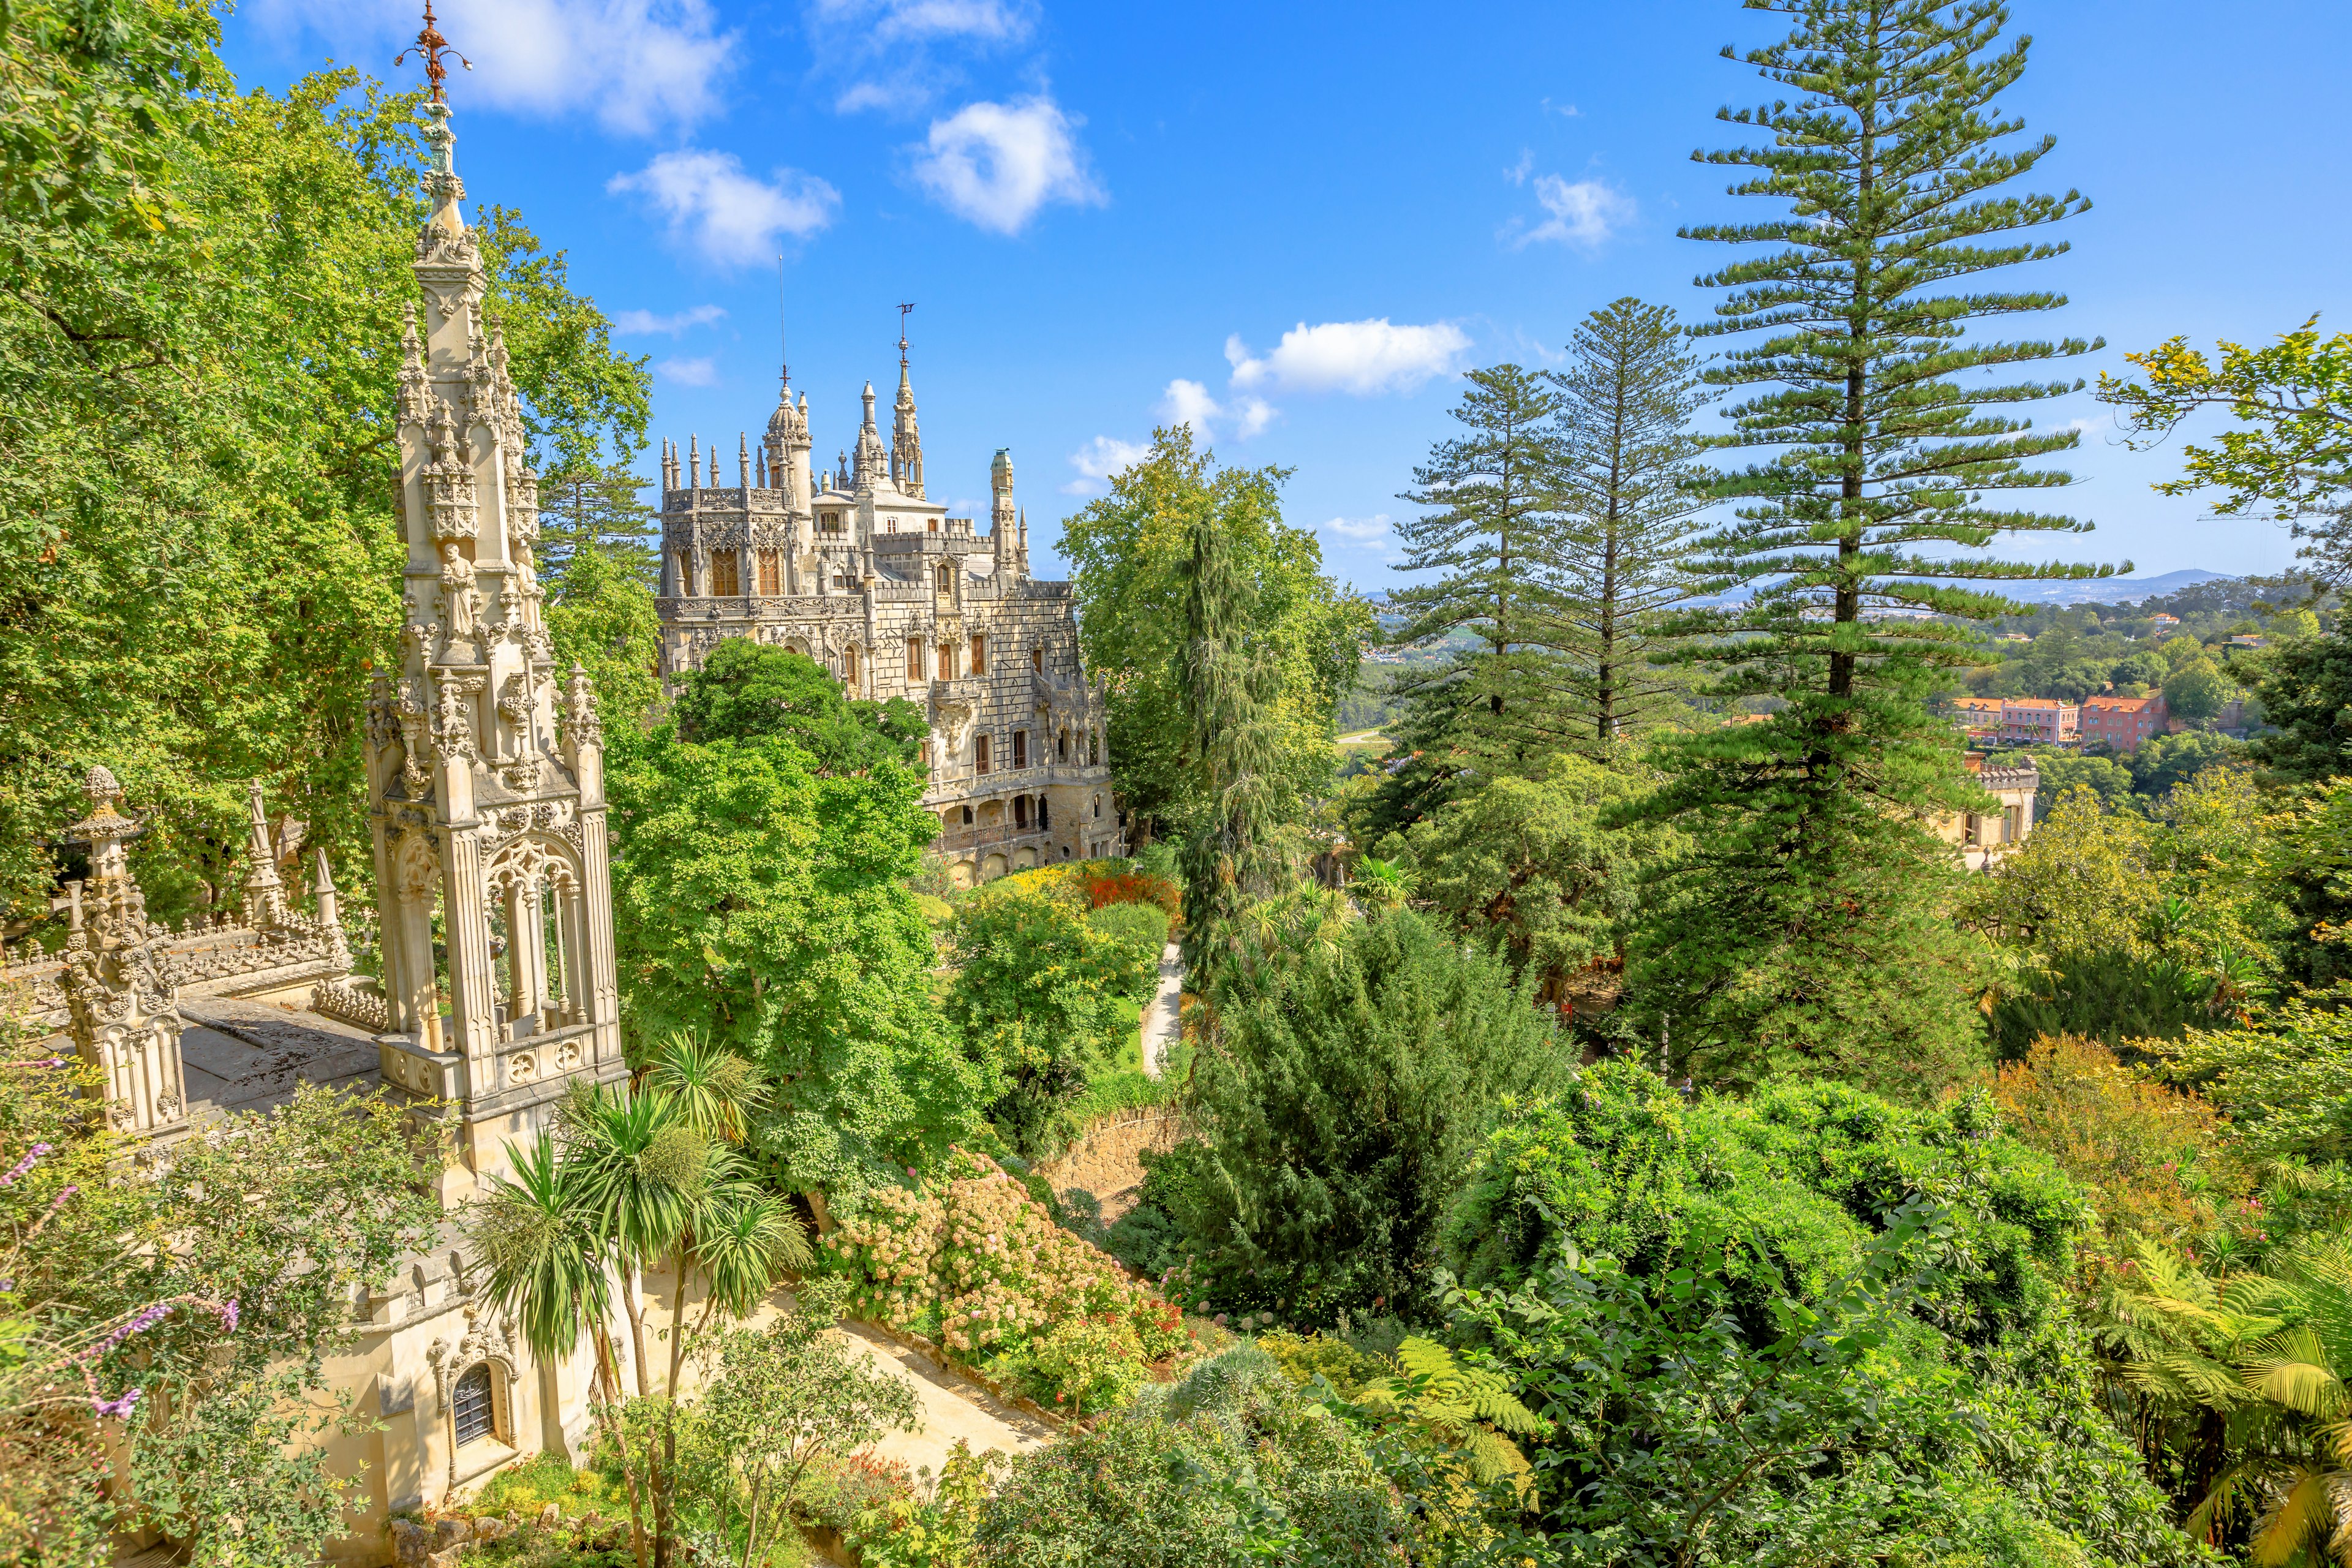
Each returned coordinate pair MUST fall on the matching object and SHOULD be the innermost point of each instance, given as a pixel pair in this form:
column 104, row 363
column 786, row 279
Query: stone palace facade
column 863, row 572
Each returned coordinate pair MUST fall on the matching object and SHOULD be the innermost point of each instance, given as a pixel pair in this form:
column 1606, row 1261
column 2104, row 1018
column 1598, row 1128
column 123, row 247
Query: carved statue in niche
column 457, row 723
column 417, row 866
column 461, row 605
column 415, row 718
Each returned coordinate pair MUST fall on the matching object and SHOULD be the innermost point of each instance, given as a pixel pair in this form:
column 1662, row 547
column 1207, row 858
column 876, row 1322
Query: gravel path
column 1162, row 1021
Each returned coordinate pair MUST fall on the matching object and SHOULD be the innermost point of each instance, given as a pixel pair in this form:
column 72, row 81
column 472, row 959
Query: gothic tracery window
column 772, row 576
column 724, row 583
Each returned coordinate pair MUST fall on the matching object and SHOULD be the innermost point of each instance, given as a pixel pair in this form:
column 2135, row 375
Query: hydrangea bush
column 968, row 1259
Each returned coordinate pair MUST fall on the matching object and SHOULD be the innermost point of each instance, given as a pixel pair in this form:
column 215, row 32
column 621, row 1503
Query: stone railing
column 364, row 1008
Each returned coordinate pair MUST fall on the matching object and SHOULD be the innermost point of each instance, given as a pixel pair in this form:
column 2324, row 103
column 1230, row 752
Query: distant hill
column 2105, row 590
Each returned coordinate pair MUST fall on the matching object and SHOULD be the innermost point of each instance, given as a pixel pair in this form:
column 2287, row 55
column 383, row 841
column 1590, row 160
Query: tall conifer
column 599, row 508
column 1626, row 487
column 1809, row 926
column 1491, row 533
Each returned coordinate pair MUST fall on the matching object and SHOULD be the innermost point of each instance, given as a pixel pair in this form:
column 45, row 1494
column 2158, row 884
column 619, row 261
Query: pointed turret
column 906, row 444
column 873, row 461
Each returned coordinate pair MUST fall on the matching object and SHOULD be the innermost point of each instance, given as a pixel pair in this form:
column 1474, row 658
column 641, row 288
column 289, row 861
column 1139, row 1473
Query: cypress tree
column 1627, row 496
column 1809, row 927
column 1492, row 533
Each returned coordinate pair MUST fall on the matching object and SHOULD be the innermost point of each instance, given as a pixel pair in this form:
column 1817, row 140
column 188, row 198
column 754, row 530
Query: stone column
column 473, row 991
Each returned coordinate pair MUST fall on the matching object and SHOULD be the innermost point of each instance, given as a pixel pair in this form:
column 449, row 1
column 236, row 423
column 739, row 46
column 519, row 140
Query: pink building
column 2123, row 722
column 2043, row 721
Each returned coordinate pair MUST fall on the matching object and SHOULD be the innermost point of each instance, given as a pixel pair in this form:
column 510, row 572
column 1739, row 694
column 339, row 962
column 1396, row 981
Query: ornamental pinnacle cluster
column 485, row 765
column 861, row 570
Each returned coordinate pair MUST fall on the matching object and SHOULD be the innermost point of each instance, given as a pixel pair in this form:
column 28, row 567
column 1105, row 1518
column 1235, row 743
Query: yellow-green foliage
column 1468, row 1406
column 1304, row 1357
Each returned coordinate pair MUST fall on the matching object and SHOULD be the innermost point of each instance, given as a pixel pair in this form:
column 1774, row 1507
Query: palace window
column 967, row 817
column 947, row 661
column 723, row 583
column 830, row 522
column 1020, row 748
column 913, row 658
column 1094, row 750
column 1020, row 810
column 1037, row 659
column 946, row 579
column 935, row 525
column 771, row 574
column 1062, row 748
column 1044, row 816
column 980, row 754
column 980, row 653
column 469, row 1406
column 849, row 664
column 1097, row 808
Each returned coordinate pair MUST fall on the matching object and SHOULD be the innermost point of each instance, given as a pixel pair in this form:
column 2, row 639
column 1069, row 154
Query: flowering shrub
column 1085, row 1365
column 972, row 1259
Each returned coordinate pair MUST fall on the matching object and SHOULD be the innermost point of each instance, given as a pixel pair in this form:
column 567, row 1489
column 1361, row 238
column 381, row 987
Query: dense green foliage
column 1129, row 553
column 1814, row 1326
column 203, row 292
column 760, row 902
column 1036, row 996
column 751, row 691
column 1337, row 1102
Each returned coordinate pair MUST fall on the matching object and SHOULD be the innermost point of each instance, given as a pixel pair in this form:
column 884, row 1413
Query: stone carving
column 453, row 734
column 461, row 608
column 581, row 727
column 340, row 999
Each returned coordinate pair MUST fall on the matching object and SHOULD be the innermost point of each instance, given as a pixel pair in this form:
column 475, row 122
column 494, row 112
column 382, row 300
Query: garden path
column 1164, row 1021
column 951, row 1409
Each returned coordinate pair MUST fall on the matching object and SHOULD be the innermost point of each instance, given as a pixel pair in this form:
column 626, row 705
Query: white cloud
column 688, row 371
column 639, row 65
column 995, row 165
column 1517, row 172
column 1106, row 455
column 900, row 54
column 1365, row 358
column 1565, row 111
column 1583, row 212
column 645, row 323
column 1362, row 530
column 730, row 217
column 1189, row 403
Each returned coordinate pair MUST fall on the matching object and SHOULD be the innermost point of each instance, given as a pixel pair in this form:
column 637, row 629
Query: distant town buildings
column 2123, row 722
column 1985, row 837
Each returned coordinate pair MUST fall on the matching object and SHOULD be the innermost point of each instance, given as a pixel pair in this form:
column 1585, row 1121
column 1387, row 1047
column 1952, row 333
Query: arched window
column 469, row 1407
column 1020, row 811
column 946, row 579
column 967, row 817
column 1045, row 815
column 1061, row 747
column 724, row 583
column 771, row 574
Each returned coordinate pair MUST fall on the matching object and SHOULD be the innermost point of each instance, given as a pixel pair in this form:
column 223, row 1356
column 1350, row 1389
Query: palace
column 861, row 571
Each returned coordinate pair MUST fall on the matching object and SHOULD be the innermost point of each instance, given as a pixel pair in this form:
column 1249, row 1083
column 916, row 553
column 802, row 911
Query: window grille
column 470, row 1406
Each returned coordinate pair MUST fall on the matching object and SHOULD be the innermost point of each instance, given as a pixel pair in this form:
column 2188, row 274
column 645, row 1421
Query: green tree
column 200, row 546
column 2162, row 761
column 1706, row 1298
column 1528, row 866
column 1494, row 533
column 1034, row 995
column 2290, row 455
column 1131, row 553
column 779, row 1399
column 598, row 508
column 761, row 902
column 2197, row 690
column 747, row 690
column 2305, row 691
column 602, row 618
column 1337, row 1104
column 2108, row 780
column 1809, row 928
column 2081, row 883
column 184, row 1313
column 1627, row 501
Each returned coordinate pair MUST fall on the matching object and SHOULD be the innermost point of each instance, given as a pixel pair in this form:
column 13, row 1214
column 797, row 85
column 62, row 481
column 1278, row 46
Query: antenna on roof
column 783, row 360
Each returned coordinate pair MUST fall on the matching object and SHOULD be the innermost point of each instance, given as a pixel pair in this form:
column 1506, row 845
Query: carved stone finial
column 99, row 786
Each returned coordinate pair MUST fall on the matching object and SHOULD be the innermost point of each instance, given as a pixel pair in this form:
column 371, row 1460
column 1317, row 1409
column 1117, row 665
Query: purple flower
column 147, row 1319
column 28, row 1162
column 228, row 1317
column 105, row 1407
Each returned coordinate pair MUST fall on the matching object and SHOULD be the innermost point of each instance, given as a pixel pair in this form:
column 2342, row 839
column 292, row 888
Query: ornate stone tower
column 906, row 442
column 484, row 770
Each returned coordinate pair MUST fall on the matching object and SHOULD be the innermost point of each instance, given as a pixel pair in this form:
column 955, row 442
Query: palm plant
column 641, row 1183
column 548, row 1265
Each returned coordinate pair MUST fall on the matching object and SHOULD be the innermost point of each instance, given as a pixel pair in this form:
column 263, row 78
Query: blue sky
column 1297, row 223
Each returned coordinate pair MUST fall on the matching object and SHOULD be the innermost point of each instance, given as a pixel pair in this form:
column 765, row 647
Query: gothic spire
column 906, row 444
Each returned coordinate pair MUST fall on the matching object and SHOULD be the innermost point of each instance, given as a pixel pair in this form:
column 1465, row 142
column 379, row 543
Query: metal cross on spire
column 430, row 46
column 902, row 335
